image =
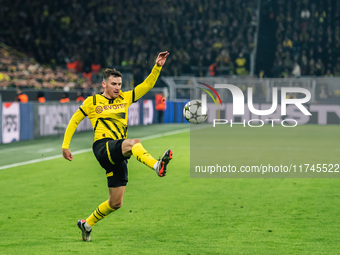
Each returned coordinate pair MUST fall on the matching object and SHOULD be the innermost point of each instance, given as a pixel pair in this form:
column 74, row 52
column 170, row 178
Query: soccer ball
column 192, row 112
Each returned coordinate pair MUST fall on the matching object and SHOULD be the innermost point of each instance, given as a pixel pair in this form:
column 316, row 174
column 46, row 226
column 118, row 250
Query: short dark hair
column 111, row 72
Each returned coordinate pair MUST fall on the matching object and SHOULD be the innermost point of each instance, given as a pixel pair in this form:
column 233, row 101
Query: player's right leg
column 85, row 230
column 104, row 209
column 116, row 197
column 117, row 178
column 100, row 213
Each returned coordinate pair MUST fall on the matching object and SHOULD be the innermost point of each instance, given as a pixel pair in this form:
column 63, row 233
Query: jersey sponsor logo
column 100, row 109
column 114, row 106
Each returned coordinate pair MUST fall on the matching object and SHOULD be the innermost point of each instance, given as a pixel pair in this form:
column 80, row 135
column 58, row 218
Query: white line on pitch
column 88, row 150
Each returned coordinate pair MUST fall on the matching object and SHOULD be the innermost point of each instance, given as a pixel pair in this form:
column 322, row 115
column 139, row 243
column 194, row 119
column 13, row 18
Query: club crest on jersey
column 99, row 109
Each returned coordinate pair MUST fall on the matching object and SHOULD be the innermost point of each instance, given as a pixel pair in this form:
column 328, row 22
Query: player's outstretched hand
column 67, row 154
column 161, row 58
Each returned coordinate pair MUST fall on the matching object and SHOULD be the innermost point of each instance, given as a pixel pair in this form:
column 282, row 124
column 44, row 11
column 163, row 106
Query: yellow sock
column 142, row 155
column 100, row 213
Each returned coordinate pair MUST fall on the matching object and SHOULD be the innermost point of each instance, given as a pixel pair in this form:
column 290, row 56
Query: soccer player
column 108, row 115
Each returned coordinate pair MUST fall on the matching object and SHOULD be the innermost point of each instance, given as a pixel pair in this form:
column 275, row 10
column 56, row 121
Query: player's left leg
column 134, row 147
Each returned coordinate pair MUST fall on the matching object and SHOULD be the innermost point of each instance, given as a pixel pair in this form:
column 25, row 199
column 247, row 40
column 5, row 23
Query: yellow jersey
column 109, row 116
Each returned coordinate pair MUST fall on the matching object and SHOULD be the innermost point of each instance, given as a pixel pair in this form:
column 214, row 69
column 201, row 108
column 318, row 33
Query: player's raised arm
column 161, row 58
column 150, row 81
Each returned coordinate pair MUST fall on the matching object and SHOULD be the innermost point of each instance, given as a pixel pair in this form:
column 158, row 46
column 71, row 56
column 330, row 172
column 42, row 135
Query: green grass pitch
column 41, row 203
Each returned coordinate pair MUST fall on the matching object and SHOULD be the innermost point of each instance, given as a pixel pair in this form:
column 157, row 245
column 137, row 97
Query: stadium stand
column 198, row 34
column 300, row 33
column 17, row 70
column 71, row 41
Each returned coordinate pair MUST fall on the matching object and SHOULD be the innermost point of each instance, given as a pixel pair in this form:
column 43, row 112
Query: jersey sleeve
column 76, row 118
column 86, row 106
column 143, row 88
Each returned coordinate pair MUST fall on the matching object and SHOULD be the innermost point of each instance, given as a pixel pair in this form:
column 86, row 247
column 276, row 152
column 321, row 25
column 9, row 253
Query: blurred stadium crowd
column 16, row 70
column 308, row 38
column 73, row 40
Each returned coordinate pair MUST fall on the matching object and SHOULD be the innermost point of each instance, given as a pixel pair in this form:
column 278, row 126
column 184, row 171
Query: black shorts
column 109, row 154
